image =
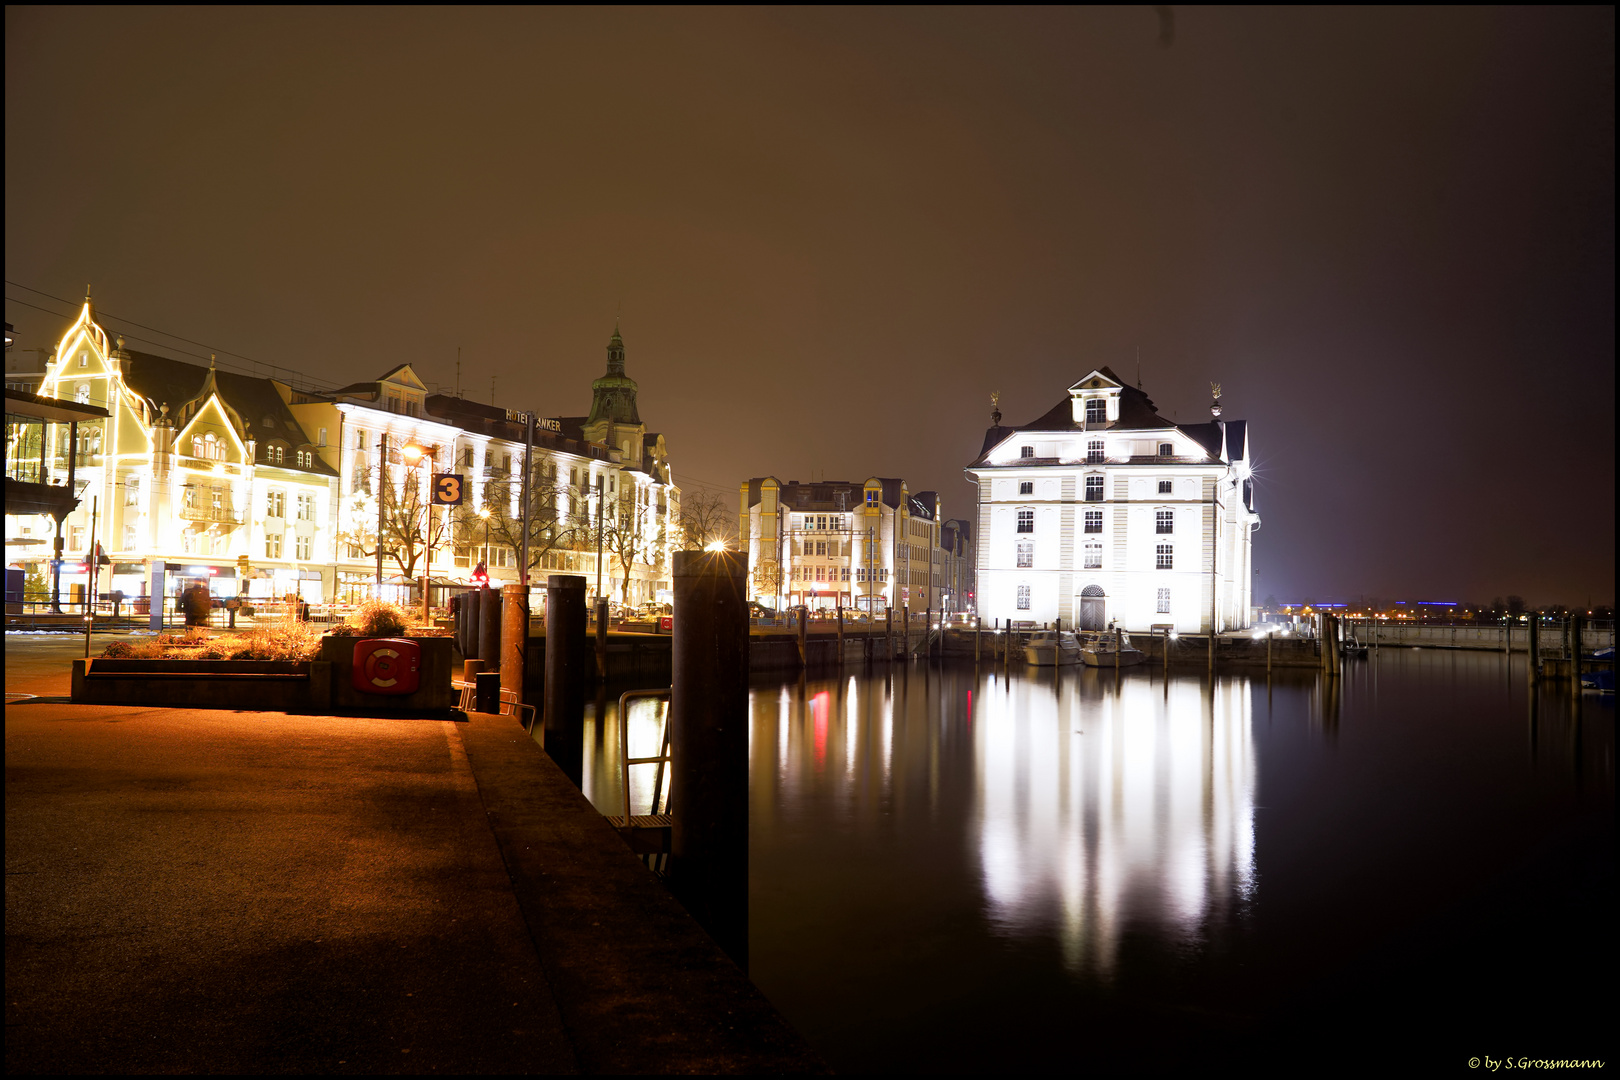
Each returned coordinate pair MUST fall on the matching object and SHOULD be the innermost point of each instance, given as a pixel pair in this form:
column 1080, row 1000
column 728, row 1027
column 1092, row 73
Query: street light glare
column 410, row 451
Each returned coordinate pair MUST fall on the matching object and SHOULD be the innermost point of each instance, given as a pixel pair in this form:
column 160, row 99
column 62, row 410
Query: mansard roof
column 1136, row 413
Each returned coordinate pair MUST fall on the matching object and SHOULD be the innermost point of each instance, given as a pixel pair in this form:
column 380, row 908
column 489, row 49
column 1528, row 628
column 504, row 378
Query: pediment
column 1096, row 380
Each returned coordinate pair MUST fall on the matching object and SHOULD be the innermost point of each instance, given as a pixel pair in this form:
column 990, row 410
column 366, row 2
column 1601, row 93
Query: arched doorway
column 1093, row 608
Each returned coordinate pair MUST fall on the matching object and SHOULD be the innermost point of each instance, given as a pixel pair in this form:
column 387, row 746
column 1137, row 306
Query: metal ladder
column 650, row 835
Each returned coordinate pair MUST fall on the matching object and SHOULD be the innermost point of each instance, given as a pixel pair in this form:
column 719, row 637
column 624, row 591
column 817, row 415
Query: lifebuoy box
column 387, row 666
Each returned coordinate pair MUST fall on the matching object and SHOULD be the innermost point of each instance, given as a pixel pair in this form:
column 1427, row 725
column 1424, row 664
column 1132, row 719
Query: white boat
column 1097, row 649
column 1051, row 648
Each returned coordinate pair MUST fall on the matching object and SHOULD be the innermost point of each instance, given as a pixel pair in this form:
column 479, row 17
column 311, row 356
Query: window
column 355, row 552
column 1026, row 488
column 1164, row 487
column 1166, row 557
column 84, row 359
column 322, row 441
column 132, row 491
column 1026, row 521
column 1094, row 489
column 506, row 463
column 275, row 503
column 81, row 393
column 1023, row 598
column 301, row 546
column 871, row 498
column 1164, row 601
column 272, row 546
column 1097, row 411
column 1026, row 451
column 1093, row 555
column 1093, row 521
column 1164, row 522
column 129, row 537
column 1026, row 554
column 306, row 508
column 218, row 498
column 1094, row 451
column 1167, row 449
column 467, row 457
column 821, row 547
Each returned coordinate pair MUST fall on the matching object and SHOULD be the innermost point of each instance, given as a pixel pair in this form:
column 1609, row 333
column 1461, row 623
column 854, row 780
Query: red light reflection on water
column 820, row 705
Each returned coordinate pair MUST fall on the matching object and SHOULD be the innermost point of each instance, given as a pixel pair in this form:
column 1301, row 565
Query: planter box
column 257, row 685
column 434, row 693
column 321, row 685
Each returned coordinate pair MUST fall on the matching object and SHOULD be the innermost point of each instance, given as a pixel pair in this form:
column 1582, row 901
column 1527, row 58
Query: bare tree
column 407, row 526
column 627, row 537
column 559, row 520
column 705, row 518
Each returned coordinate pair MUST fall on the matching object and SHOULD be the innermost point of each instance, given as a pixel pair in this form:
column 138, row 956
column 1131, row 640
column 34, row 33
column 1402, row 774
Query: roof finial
column 211, row 360
column 995, row 408
column 1215, row 403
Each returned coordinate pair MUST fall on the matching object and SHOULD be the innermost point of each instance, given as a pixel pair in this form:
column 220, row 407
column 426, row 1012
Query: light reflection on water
column 939, row 857
column 1094, row 809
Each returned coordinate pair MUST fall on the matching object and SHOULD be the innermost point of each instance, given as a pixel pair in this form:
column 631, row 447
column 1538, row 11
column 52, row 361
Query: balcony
column 217, row 515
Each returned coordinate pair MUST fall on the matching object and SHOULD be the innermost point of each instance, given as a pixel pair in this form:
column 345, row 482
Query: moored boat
column 1051, row 648
column 1101, row 649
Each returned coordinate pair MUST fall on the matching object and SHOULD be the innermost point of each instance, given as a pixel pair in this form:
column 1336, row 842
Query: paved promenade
column 215, row 891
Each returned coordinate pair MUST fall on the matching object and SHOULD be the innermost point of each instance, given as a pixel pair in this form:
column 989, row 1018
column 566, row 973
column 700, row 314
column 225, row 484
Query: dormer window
column 84, row 359
column 1026, row 451
column 1167, row 449
column 1096, row 411
column 1164, row 487
column 1027, row 487
column 1094, row 451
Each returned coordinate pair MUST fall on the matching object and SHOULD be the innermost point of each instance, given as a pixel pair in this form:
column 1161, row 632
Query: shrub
column 379, row 618
column 118, row 649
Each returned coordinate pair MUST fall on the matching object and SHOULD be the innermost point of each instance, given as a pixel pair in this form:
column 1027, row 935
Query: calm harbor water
column 952, row 870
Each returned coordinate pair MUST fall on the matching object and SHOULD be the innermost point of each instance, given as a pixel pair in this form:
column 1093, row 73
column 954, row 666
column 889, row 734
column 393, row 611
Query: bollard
column 489, row 629
column 470, row 670
column 905, row 628
column 1119, row 643
column 601, row 638
column 469, row 622
column 514, row 638
column 888, row 633
column 487, row 692
column 1269, row 636
column 978, row 632
column 709, row 744
column 804, row 641
column 567, row 669
column 1167, row 654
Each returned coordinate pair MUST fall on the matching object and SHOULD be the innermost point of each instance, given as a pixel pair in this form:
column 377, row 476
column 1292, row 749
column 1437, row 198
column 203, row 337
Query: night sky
column 830, row 234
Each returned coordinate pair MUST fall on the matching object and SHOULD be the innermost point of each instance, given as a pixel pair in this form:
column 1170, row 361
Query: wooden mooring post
column 804, row 638
column 1534, row 645
column 840, row 632
column 567, row 648
column 1574, row 623
column 1269, row 636
column 708, row 721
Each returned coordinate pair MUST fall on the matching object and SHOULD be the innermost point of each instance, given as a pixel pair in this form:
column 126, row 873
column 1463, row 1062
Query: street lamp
column 412, row 454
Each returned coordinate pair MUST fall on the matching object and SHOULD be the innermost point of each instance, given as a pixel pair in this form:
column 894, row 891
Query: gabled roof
column 165, row 381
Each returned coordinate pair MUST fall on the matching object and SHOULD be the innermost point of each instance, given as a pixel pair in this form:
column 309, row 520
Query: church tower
column 614, row 419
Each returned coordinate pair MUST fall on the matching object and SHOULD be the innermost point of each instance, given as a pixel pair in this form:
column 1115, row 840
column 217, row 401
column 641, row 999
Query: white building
column 1102, row 512
column 256, row 487
column 866, row 546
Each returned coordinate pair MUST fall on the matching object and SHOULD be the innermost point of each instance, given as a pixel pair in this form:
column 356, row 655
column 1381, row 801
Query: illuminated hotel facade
column 863, row 546
column 1101, row 512
column 257, row 488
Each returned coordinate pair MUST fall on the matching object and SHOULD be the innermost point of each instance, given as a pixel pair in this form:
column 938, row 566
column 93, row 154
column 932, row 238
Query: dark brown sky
column 1389, row 235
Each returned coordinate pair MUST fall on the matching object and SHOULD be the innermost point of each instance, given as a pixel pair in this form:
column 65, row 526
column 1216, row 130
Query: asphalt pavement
column 221, row 891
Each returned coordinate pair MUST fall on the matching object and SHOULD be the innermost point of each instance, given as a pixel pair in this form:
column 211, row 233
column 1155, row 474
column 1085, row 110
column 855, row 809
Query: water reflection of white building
column 1102, row 810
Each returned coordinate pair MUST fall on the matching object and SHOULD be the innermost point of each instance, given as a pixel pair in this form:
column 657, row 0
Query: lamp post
column 382, row 490
column 484, row 513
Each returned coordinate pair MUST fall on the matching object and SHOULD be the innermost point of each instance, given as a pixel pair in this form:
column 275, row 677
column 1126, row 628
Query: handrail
column 624, row 749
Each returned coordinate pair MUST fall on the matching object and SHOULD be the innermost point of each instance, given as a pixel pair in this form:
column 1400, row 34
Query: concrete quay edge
column 640, row 986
